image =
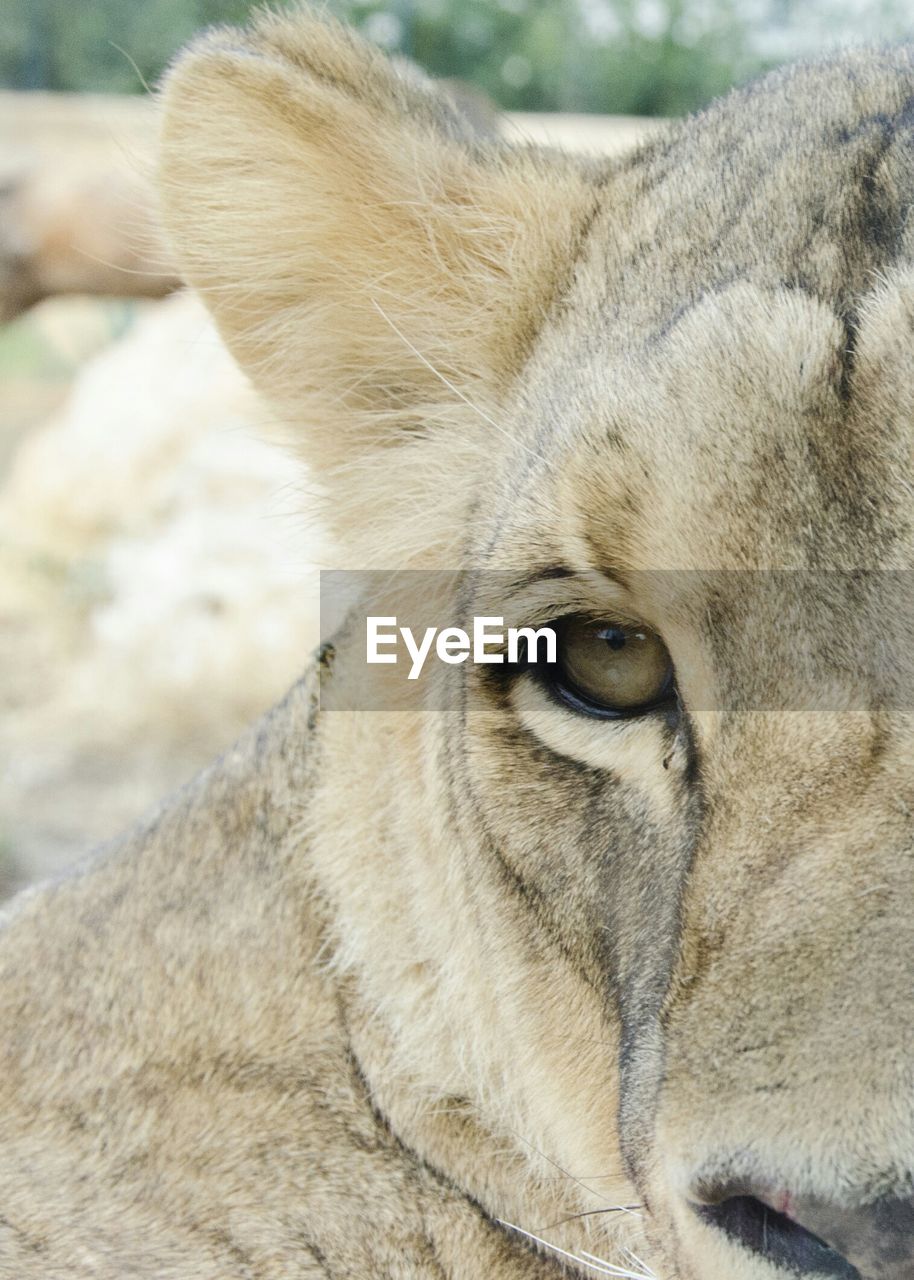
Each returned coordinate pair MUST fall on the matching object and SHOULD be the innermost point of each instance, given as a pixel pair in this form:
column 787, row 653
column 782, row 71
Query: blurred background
column 157, row 556
column 619, row 57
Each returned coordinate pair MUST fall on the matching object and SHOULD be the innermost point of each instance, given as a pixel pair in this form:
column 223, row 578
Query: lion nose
column 776, row 1238
column 810, row 1237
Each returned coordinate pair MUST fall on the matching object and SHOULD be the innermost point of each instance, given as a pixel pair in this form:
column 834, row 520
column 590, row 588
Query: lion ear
column 367, row 260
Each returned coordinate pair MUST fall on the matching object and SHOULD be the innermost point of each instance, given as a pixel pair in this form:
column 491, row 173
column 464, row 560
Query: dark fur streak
column 848, row 356
column 225, row 1241
column 32, row 1245
column 413, row 1157
column 535, row 903
column 318, row 1255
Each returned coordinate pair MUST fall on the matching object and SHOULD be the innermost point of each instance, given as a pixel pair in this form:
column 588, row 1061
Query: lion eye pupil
column 614, row 636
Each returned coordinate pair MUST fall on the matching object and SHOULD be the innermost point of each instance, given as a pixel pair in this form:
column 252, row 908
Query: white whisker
column 620, row 1271
column 583, row 1259
column 638, row 1262
column 644, row 1273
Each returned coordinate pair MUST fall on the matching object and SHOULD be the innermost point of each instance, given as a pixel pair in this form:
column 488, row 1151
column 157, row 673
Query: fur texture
column 377, row 985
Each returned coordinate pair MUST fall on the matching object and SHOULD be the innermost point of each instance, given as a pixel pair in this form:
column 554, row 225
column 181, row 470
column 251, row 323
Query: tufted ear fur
column 368, row 260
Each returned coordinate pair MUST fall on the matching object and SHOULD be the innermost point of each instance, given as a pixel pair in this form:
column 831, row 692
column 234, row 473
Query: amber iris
column 613, row 666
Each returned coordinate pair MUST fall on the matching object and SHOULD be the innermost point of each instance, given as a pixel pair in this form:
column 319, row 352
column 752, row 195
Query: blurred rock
column 42, row 351
column 155, row 593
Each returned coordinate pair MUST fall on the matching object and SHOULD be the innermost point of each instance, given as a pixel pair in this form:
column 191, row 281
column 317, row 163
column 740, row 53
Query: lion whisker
column 636, row 1261
column 631, row 1209
column 645, row 1274
column 583, row 1259
column 564, row 1172
column 590, row 1177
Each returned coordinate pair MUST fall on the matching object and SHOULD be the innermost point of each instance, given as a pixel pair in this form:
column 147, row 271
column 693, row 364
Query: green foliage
column 643, row 57
column 109, row 46
column 546, row 55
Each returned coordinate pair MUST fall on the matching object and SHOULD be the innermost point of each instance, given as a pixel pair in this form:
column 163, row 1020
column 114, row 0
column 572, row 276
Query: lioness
column 603, row 968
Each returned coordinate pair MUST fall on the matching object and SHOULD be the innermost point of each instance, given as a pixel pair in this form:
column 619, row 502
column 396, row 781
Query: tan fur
column 382, row 992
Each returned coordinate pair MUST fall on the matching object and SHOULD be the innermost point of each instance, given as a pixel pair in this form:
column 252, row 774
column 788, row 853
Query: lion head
column 644, row 916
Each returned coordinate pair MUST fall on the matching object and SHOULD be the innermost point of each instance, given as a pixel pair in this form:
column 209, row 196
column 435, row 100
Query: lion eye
column 606, row 668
